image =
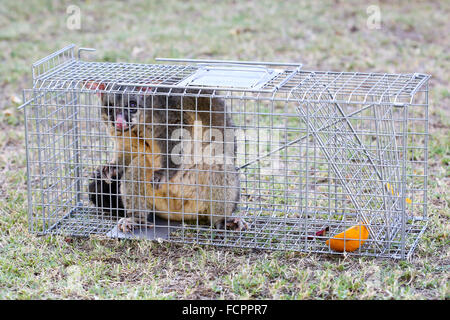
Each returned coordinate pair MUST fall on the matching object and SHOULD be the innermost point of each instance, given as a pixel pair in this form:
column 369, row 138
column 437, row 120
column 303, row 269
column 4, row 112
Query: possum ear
column 143, row 89
column 92, row 85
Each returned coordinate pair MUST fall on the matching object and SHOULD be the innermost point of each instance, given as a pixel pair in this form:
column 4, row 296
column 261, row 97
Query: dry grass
column 323, row 35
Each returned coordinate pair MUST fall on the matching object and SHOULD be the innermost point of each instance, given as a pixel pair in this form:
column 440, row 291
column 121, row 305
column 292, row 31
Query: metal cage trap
column 229, row 153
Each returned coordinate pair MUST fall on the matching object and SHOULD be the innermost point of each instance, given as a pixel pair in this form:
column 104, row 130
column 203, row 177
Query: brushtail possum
column 156, row 165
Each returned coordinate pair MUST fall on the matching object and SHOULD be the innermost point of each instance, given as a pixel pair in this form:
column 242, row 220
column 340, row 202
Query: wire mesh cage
column 228, row 153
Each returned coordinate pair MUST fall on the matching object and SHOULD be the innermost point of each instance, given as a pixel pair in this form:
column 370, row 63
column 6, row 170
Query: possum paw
column 128, row 224
column 125, row 224
column 111, row 172
column 158, row 179
column 235, row 224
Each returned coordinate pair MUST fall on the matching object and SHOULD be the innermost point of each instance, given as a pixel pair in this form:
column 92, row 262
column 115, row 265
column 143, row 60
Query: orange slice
column 349, row 240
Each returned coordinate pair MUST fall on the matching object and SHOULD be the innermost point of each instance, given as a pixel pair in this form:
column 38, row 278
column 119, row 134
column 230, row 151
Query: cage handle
column 236, row 67
column 83, row 49
column 208, row 61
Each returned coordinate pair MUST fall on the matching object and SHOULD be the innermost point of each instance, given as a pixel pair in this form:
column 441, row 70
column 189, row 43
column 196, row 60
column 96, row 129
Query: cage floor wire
column 265, row 232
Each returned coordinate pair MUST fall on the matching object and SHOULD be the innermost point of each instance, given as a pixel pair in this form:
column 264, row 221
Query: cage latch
column 231, row 76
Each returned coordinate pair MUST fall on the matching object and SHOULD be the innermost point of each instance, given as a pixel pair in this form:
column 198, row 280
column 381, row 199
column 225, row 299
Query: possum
column 105, row 193
column 160, row 174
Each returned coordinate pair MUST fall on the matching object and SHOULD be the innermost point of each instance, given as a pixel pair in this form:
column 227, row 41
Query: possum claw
column 235, row 224
column 125, row 225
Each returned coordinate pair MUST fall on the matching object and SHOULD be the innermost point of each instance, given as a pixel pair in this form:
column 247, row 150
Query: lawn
column 329, row 35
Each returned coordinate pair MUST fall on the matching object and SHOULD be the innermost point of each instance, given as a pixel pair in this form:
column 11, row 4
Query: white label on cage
column 231, row 77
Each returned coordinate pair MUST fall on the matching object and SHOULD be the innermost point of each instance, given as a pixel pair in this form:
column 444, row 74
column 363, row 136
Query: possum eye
column 132, row 104
column 132, row 107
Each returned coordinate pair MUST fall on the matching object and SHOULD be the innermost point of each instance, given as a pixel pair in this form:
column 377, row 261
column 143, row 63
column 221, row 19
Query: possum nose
column 121, row 123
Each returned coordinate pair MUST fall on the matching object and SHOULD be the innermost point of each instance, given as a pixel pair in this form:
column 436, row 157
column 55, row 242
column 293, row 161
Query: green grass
column 324, row 36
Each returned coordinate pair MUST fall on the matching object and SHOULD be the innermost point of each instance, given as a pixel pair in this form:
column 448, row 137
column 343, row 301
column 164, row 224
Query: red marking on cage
column 68, row 240
column 320, row 233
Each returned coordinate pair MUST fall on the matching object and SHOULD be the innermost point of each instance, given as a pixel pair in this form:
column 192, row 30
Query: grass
column 323, row 35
